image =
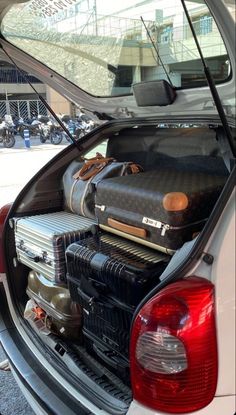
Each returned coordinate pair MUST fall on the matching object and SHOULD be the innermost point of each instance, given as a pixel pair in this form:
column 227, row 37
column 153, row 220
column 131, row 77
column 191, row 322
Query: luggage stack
column 109, row 276
column 41, row 241
column 91, row 274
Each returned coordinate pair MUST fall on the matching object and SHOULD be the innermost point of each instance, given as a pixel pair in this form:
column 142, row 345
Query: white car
column 161, row 74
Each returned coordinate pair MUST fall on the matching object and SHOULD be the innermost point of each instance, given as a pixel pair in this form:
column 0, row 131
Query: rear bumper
column 44, row 395
column 223, row 405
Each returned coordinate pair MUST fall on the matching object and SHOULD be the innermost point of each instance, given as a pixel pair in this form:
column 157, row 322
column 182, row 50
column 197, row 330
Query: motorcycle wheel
column 80, row 133
column 9, row 141
column 42, row 138
column 56, row 138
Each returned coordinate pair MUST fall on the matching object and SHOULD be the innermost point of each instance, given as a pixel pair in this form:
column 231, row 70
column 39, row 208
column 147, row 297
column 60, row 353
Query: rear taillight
column 3, row 214
column 173, row 349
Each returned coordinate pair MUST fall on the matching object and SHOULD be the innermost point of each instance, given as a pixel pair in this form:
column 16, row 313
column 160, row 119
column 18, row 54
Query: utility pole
column 95, row 17
column 7, row 103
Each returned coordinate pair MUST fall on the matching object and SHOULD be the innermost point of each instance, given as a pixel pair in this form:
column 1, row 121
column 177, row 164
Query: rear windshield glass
column 105, row 46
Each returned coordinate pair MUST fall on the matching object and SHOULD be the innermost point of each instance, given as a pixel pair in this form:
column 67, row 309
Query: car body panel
column 223, row 234
column 219, row 406
column 195, row 101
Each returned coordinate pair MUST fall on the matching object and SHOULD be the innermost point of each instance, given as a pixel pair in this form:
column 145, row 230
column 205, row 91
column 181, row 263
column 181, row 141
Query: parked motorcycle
column 7, row 134
column 33, row 127
column 77, row 127
column 50, row 130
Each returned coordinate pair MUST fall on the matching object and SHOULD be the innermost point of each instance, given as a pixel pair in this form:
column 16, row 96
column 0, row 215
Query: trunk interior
column 92, row 343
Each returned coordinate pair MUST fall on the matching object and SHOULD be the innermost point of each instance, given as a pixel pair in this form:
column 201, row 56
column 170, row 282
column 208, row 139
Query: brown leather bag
column 92, row 166
column 80, row 181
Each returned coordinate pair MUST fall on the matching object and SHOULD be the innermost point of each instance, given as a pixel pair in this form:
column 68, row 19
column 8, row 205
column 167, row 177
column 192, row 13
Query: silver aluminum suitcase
column 41, row 241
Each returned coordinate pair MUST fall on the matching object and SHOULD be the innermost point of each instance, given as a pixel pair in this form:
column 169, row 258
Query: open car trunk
column 102, row 374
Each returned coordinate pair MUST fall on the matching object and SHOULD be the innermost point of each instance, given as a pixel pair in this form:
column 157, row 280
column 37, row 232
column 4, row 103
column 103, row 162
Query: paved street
column 17, row 166
column 12, row 402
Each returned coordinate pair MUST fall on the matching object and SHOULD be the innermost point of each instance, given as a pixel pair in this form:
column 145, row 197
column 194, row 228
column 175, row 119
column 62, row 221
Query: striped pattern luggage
column 41, row 241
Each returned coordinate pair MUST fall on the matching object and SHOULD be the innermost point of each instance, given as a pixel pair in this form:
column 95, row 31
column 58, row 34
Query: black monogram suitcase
column 161, row 208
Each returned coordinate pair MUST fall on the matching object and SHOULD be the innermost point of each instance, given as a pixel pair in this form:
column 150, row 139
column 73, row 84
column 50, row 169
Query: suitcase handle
column 84, row 296
column 92, row 300
column 132, row 230
column 116, row 362
column 32, row 257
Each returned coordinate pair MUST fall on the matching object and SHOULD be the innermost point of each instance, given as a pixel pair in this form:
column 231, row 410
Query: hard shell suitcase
column 63, row 316
column 108, row 276
column 41, row 241
column 107, row 323
column 161, row 208
column 112, row 266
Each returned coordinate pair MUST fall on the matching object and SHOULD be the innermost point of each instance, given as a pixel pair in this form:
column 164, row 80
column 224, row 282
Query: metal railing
column 22, row 108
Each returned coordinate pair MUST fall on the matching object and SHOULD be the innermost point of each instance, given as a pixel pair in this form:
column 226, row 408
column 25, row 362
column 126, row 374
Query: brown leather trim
column 175, row 201
column 132, row 230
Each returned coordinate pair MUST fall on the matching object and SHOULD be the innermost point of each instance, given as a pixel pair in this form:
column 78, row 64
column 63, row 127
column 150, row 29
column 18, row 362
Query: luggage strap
column 92, row 166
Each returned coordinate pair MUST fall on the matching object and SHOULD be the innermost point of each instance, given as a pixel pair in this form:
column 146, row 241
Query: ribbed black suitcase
column 108, row 276
column 106, row 322
column 162, row 208
column 104, row 264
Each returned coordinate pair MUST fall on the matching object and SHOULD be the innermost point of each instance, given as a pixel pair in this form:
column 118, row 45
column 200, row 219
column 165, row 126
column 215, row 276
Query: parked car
column 118, row 269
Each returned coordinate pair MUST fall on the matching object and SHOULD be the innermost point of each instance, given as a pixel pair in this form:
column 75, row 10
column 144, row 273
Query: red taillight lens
column 173, row 349
column 3, row 214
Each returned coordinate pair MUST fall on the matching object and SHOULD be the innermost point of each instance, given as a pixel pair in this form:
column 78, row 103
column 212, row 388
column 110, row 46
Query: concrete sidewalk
column 12, row 402
column 18, row 165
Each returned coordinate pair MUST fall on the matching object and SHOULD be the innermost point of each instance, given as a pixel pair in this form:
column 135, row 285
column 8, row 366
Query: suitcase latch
column 20, row 245
column 45, row 258
column 101, row 207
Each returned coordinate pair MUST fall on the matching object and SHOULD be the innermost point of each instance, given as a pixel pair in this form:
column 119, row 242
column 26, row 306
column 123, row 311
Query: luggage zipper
column 165, row 227
column 159, row 225
column 156, row 223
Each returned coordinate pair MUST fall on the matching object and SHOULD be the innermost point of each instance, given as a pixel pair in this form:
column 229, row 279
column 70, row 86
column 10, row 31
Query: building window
column 205, row 25
column 165, row 34
column 202, row 24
